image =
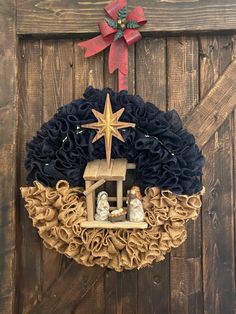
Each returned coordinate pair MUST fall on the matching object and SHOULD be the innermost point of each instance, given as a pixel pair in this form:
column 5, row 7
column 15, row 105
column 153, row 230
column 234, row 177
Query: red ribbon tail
column 122, row 81
column 118, row 60
column 96, row 44
column 118, row 56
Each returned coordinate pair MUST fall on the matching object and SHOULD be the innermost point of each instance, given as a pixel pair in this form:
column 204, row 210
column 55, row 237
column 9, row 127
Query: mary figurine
column 103, row 207
column 135, row 206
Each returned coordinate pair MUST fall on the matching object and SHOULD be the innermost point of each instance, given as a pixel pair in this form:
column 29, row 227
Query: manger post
column 119, row 193
column 90, row 201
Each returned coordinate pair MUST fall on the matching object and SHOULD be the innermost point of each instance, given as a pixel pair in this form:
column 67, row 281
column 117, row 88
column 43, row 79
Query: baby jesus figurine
column 103, row 207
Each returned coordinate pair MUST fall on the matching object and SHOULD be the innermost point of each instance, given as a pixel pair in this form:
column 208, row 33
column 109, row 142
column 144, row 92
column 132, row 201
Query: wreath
column 168, row 167
column 69, row 152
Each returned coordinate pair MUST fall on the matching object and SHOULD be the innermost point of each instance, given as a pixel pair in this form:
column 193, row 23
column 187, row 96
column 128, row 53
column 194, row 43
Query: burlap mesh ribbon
column 58, row 212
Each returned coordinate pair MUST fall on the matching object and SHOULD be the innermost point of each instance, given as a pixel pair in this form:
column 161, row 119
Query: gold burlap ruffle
column 57, row 214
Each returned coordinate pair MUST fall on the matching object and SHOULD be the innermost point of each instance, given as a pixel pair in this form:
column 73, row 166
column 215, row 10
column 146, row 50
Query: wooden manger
column 95, row 175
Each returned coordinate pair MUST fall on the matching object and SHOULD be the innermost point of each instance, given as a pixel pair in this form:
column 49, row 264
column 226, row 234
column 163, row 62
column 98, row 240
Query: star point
column 107, row 126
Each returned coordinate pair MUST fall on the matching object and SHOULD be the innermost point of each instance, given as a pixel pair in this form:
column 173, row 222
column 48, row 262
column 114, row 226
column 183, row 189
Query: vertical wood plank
column 151, row 71
column 217, row 214
column 183, row 88
column 119, row 193
column 93, row 301
column 233, row 121
column 8, row 129
column 89, row 71
column 120, row 288
column 183, row 95
column 30, row 118
column 153, row 282
column 89, row 201
column 57, row 75
column 57, row 90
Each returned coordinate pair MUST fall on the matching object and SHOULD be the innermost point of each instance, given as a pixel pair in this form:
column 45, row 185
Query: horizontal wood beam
column 213, row 110
column 72, row 16
column 114, row 225
column 69, row 289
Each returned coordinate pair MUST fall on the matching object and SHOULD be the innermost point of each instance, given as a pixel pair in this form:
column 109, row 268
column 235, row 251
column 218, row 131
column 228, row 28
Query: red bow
column 119, row 31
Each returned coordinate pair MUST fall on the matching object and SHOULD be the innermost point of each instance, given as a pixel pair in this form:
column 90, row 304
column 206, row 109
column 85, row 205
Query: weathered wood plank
column 151, row 85
column 121, row 292
column 183, row 95
column 151, row 71
column 7, row 229
column 57, row 89
column 218, row 248
column 70, row 288
column 182, row 76
column 217, row 213
column 87, row 71
column 57, row 75
column 186, row 284
column 8, row 129
column 53, row 16
column 214, row 108
column 93, row 300
column 30, row 118
column 121, row 288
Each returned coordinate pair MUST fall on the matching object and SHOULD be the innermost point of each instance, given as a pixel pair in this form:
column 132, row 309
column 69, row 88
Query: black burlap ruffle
column 165, row 154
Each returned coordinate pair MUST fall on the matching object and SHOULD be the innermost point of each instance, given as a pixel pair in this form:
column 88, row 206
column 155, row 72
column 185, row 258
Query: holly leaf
column 111, row 22
column 122, row 14
column 132, row 24
column 118, row 35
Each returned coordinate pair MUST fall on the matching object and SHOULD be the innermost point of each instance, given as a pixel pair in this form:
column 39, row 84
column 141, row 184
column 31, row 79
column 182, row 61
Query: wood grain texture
column 30, row 118
column 64, row 16
column 7, row 231
column 183, row 96
column 151, row 70
column 57, row 75
column 214, row 109
column 88, row 72
column 153, row 282
column 98, row 169
column 182, row 76
column 120, row 289
column 93, row 300
column 69, row 289
column 57, row 89
column 150, row 290
column 217, row 214
column 8, row 125
column 8, row 129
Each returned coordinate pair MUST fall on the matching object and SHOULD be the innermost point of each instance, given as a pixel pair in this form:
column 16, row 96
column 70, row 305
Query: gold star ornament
column 108, row 125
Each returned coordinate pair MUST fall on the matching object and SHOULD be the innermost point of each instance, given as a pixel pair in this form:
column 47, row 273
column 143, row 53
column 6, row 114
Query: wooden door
column 186, row 61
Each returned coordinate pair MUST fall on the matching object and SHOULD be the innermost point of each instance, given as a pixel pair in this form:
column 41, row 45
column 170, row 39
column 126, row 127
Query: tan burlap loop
column 58, row 212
